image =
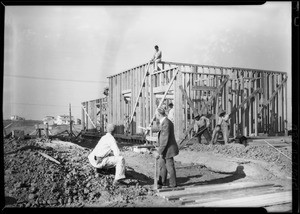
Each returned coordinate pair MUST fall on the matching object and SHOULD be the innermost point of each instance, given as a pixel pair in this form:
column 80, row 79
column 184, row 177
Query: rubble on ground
column 35, row 181
column 255, row 152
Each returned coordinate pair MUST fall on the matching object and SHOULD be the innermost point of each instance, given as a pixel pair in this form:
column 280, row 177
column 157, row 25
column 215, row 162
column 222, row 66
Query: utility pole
column 70, row 119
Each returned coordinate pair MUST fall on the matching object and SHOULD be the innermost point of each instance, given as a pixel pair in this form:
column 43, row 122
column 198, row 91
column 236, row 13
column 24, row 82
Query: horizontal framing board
column 230, row 194
column 251, row 201
column 220, row 191
column 161, row 89
column 204, row 88
column 211, row 188
column 152, row 138
column 168, row 96
column 127, row 91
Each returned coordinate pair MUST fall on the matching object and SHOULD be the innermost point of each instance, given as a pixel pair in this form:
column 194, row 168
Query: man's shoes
column 161, row 185
column 119, row 183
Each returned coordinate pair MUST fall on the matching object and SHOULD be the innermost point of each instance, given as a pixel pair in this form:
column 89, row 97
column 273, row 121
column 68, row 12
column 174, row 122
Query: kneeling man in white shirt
column 106, row 154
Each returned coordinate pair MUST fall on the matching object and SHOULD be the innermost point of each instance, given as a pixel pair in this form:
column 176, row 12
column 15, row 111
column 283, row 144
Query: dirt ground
column 31, row 180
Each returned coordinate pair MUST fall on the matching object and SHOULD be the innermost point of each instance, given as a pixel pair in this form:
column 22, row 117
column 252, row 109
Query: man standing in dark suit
column 167, row 150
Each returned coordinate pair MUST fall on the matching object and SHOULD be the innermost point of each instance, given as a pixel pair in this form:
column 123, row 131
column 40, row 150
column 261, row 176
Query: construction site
column 52, row 169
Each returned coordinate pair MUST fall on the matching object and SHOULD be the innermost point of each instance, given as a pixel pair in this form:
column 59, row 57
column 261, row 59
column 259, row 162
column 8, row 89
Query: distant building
column 64, row 119
column 15, row 117
column 49, row 119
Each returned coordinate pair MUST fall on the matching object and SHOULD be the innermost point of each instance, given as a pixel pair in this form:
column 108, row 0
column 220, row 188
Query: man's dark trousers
column 166, row 165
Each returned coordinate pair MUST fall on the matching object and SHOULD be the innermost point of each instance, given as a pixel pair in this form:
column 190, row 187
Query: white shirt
column 104, row 147
column 223, row 119
column 162, row 120
column 171, row 115
column 157, row 55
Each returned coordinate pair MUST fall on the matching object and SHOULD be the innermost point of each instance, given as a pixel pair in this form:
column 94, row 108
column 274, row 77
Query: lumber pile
column 235, row 194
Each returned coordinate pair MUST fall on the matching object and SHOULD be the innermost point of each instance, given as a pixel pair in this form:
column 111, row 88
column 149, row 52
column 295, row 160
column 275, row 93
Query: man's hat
column 161, row 111
column 170, row 104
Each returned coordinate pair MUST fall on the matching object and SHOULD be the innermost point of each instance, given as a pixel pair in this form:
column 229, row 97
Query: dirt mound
column 255, row 152
column 31, row 180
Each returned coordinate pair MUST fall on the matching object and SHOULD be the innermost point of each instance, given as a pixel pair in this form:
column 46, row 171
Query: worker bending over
column 201, row 127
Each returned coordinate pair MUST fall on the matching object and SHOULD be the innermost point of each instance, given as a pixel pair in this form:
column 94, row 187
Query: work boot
column 119, row 183
column 161, row 185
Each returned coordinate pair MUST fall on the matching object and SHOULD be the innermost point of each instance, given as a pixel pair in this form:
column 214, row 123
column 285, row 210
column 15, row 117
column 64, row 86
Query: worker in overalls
column 201, row 127
column 222, row 125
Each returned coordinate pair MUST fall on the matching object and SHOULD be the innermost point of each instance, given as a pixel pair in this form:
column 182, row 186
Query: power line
column 51, row 105
column 54, row 79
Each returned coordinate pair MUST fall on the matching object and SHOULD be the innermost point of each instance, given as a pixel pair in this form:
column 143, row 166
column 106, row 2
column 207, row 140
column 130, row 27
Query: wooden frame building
column 256, row 99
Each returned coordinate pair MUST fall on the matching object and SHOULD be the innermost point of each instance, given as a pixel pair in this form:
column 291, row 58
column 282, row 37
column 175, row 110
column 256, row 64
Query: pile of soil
column 31, row 180
column 254, row 152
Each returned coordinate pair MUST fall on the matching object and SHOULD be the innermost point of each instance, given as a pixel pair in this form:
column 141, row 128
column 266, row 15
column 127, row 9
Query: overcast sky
column 57, row 55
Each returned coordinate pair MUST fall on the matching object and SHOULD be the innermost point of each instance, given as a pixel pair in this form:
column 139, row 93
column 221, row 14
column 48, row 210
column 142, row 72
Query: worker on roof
column 222, row 125
column 106, row 155
column 156, row 58
column 201, row 127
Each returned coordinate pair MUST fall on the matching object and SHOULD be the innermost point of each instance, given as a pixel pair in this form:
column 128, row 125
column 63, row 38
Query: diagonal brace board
column 219, row 89
column 138, row 95
column 273, row 95
column 259, row 90
column 165, row 94
column 88, row 115
column 188, row 100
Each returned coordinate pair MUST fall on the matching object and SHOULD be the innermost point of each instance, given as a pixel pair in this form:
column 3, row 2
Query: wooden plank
column 204, row 88
column 152, row 100
column 232, row 194
column 196, row 193
column 160, row 89
column 246, row 100
column 229, row 195
column 212, row 188
column 188, row 101
column 185, row 102
column 218, row 89
column 267, row 102
column 286, row 109
column 49, row 157
column 168, row 96
column 138, row 94
column 88, row 116
column 178, row 107
column 152, row 138
column 251, row 201
column 126, row 91
column 169, row 86
column 282, row 208
column 255, row 106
